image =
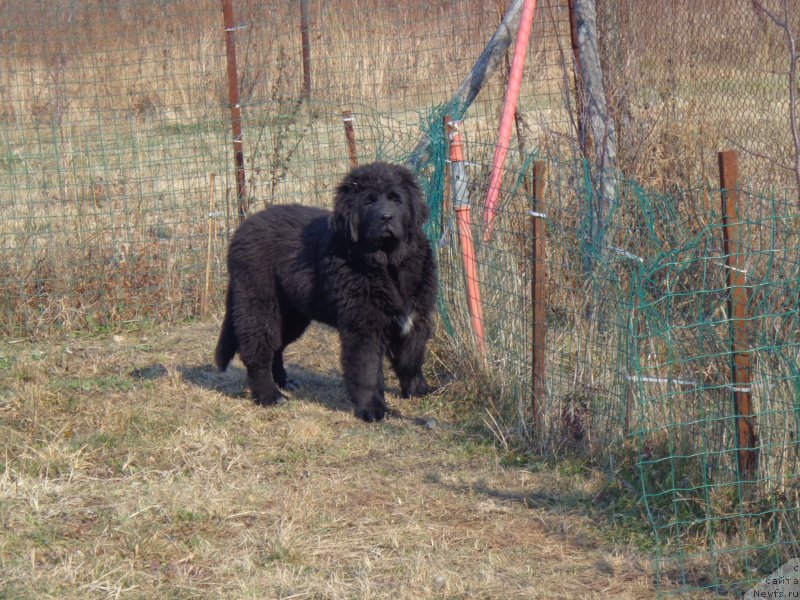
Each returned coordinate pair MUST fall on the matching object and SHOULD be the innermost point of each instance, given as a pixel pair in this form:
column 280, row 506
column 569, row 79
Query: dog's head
column 379, row 206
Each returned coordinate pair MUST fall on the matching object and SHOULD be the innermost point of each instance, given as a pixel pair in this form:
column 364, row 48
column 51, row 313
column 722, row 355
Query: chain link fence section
column 687, row 79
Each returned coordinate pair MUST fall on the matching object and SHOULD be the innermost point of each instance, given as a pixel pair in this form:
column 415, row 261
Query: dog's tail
column 228, row 344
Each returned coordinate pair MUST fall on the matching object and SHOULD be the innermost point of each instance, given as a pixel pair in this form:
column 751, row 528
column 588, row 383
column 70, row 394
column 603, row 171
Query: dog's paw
column 416, row 387
column 290, row 385
column 375, row 411
column 371, row 414
column 271, row 400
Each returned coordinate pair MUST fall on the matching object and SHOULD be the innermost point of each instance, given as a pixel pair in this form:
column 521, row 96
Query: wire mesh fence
column 119, row 194
column 719, row 519
column 111, row 128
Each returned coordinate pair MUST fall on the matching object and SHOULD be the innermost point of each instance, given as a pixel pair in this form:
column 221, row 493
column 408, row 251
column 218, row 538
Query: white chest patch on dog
column 407, row 323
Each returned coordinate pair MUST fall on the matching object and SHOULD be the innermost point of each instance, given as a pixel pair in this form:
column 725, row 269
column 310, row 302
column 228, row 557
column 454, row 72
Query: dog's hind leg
column 254, row 321
column 227, row 344
column 294, row 325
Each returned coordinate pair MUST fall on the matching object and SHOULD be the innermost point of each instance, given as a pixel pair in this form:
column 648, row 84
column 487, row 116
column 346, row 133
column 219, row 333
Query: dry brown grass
column 130, row 468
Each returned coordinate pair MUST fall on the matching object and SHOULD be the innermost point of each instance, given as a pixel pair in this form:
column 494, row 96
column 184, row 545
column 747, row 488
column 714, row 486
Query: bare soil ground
column 130, row 468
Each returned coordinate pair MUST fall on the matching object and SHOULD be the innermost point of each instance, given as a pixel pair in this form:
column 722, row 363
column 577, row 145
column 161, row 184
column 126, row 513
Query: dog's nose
column 387, row 217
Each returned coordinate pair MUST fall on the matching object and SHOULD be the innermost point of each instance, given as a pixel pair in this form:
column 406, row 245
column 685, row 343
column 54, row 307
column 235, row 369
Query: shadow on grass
column 323, row 389
column 563, row 501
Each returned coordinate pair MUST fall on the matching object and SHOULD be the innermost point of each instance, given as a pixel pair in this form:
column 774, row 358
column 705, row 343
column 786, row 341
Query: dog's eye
column 395, row 197
column 369, row 199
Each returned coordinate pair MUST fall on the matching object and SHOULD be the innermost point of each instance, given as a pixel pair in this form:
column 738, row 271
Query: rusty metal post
column 538, row 285
column 305, row 34
column 236, row 109
column 735, row 278
column 352, row 154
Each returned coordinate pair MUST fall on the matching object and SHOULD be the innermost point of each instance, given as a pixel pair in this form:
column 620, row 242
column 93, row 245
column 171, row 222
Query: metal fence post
column 539, row 299
column 236, row 109
column 735, row 279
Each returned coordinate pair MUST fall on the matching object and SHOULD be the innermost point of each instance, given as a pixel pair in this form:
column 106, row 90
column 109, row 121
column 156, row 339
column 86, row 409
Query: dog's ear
column 345, row 217
column 416, row 197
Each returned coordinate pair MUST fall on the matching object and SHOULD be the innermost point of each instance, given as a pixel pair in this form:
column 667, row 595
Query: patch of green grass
column 9, row 161
column 6, row 361
column 183, row 515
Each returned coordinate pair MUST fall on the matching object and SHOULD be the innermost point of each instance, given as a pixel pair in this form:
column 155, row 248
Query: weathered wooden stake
column 352, row 154
column 236, row 109
column 735, row 276
column 447, row 202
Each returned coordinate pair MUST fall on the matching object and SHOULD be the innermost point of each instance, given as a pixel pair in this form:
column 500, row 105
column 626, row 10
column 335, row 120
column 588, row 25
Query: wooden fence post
column 349, row 133
column 539, row 298
column 236, row 109
column 735, row 278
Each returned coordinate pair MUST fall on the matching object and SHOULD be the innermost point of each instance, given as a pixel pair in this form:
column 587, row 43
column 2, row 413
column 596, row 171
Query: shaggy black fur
column 366, row 269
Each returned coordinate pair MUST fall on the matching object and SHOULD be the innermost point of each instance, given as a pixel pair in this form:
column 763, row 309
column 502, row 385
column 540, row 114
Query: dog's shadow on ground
column 325, row 389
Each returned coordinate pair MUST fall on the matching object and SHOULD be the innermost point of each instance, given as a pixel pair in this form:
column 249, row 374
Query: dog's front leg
column 362, row 364
column 407, row 353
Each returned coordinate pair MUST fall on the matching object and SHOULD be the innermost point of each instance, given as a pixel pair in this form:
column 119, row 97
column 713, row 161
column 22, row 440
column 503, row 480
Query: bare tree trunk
column 601, row 122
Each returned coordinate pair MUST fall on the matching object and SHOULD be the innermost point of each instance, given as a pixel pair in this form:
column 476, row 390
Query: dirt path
column 131, row 468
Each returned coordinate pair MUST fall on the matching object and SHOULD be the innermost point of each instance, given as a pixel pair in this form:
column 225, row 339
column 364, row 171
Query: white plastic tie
column 732, row 268
column 626, row 254
column 660, row 380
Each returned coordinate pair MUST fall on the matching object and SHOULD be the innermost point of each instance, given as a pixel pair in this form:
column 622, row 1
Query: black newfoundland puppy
column 366, row 269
